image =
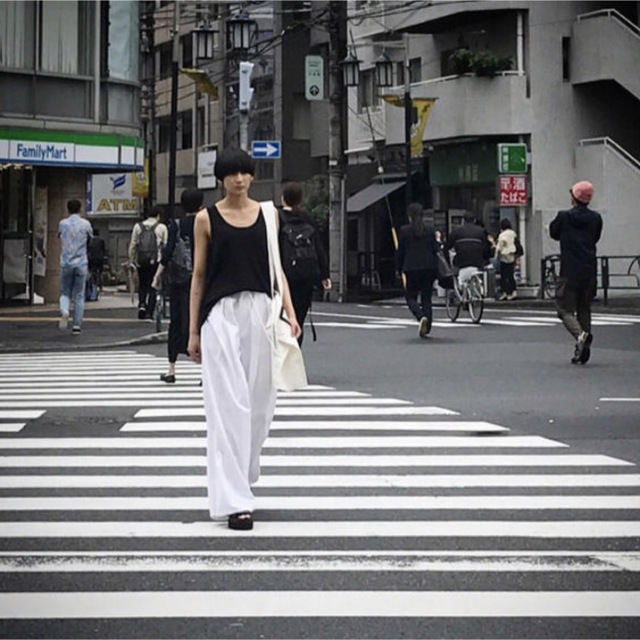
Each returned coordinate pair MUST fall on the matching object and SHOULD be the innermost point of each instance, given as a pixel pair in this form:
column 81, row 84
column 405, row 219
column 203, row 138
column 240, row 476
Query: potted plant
column 461, row 61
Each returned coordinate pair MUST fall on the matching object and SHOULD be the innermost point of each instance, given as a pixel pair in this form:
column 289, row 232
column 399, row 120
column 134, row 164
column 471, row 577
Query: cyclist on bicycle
column 472, row 246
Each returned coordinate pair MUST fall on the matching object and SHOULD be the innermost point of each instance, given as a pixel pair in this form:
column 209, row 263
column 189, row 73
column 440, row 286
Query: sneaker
column 512, row 296
column 142, row 313
column 76, row 330
column 586, row 349
column 581, row 341
column 63, row 323
column 423, row 327
column 503, row 297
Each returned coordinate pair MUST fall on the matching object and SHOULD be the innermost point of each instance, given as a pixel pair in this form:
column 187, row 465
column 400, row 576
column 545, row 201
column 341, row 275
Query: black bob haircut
column 232, row 161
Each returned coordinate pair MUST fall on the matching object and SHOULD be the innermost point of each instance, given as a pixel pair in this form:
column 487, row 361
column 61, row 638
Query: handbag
column 288, row 368
column 519, row 248
column 445, row 271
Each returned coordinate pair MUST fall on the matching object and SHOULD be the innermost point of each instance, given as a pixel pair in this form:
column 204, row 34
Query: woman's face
column 237, row 183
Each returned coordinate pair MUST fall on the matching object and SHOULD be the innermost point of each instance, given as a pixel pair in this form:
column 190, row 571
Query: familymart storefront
column 39, row 172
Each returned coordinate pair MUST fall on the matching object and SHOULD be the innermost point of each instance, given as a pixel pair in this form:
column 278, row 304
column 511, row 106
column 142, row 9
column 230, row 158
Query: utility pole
column 245, row 93
column 337, row 224
column 408, row 113
column 173, row 129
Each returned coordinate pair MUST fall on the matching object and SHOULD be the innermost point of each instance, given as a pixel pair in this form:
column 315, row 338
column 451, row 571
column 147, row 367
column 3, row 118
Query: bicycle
column 469, row 293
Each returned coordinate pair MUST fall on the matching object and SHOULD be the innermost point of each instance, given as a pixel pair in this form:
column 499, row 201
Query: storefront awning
column 374, row 192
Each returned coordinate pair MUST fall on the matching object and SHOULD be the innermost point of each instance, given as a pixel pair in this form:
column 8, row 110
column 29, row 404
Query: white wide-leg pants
column 239, row 398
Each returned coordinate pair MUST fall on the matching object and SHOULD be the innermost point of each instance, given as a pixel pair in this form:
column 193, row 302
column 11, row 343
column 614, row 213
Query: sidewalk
column 108, row 322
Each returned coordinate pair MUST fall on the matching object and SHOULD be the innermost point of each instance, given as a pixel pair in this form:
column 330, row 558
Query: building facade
column 69, row 110
column 559, row 77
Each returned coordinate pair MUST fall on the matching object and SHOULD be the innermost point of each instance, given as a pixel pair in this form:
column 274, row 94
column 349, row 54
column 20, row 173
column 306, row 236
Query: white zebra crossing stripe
column 11, row 427
column 327, row 503
column 222, row 561
column 355, row 425
column 324, row 481
column 407, row 461
column 322, row 604
column 20, row 415
column 574, row 529
column 408, row 442
column 198, row 412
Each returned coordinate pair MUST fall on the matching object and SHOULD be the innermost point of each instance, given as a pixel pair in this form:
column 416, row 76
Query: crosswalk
column 375, row 517
column 504, row 317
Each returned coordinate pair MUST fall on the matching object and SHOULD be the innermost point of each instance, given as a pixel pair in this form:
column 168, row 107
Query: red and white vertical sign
column 513, row 190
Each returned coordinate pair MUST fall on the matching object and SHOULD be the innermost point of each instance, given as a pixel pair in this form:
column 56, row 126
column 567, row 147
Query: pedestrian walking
column 506, row 251
column 180, row 238
column 75, row 233
column 303, row 257
column 148, row 238
column 230, row 311
column 578, row 230
column 97, row 255
column 416, row 258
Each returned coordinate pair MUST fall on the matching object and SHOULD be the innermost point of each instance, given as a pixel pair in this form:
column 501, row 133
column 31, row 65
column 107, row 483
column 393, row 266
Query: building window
column 187, row 51
column 66, row 37
column 164, row 60
column 367, row 90
column 566, row 59
column 164, row 134
column 185, row 130
column 124, row 42
column 17, row 27
column 201, row 128
column 415, row 70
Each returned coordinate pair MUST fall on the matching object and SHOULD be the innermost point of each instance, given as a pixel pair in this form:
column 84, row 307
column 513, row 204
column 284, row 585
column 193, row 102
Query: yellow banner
column 423, row 107
column 202, row 80
column 140, row 182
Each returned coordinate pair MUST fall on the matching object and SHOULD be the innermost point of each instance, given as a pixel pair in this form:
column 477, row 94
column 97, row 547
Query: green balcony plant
column 483, row 63
column 461, row 61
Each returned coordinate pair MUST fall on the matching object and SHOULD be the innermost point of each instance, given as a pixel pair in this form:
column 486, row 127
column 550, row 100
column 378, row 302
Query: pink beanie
column 582, row 191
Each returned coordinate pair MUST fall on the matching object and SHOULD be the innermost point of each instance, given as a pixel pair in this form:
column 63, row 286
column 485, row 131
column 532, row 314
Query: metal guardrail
column 630, row 277
column 611, row 13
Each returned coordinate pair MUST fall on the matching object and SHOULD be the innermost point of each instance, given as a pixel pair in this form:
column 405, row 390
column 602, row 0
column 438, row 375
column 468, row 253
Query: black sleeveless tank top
column 238, row 260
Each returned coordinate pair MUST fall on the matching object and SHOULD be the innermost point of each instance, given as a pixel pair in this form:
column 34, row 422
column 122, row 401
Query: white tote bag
column 287, row 362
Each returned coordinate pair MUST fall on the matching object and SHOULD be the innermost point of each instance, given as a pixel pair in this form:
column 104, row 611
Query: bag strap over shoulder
column 270, row 214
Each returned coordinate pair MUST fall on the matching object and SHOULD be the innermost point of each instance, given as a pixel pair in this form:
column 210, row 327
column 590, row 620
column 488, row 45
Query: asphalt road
column 471, row 485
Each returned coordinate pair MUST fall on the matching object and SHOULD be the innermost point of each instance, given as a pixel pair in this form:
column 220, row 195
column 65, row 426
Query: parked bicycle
column 470, row 294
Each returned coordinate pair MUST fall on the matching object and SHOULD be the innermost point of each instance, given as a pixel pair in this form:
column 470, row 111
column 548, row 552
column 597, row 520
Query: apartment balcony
column 468, row 106
column 606, row 46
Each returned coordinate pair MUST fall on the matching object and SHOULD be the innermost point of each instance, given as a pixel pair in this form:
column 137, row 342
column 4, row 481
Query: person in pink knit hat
column 578, row 230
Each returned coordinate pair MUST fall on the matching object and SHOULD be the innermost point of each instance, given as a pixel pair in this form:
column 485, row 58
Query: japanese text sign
column 512, row 190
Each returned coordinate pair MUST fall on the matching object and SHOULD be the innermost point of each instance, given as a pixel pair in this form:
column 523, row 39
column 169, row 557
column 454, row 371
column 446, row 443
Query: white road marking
column 403, row 442
column 321, row 604
column 496, row 529
column 619, row 399
column 324, row 503
column 406, row 460
column 323, row 481
column 20, row 415
column 11, row 427
column 373, row 425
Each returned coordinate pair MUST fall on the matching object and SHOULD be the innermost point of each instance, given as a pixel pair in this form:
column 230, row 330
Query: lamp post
column 173, row 129
column 240, row 32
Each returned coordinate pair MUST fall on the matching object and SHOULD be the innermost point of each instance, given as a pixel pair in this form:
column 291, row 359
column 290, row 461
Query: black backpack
column 297, row 249
column 147, row 245
column 180, row 265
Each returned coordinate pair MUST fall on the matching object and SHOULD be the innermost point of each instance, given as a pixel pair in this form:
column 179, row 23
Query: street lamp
column 240, row 32
column 384, row 71
column 204, row 41
column 350, row 70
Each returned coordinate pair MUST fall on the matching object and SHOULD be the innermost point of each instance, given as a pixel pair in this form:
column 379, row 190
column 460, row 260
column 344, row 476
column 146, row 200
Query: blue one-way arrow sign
column 266, row 149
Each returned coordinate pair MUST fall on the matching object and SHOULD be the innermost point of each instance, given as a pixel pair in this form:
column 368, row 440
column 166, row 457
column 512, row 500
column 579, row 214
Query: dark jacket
column 578, row 231
column 471, row 244
column 416, row 253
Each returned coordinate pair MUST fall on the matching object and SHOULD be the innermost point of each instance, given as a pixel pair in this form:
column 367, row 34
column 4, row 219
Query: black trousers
column 146, row 293
column 507, row 281
column 420, row 284
column 178, row 337
column 573, row 302
column 301, row 295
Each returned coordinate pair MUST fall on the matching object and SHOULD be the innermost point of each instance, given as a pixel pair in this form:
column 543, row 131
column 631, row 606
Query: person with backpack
column 176, row 264
column 303, row 258
column 147, row 241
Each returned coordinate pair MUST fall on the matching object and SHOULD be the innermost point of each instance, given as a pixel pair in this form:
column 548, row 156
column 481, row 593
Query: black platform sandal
column 241, row 521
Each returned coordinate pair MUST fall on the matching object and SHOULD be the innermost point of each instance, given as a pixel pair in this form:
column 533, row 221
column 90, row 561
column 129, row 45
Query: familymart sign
column 62, row 148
